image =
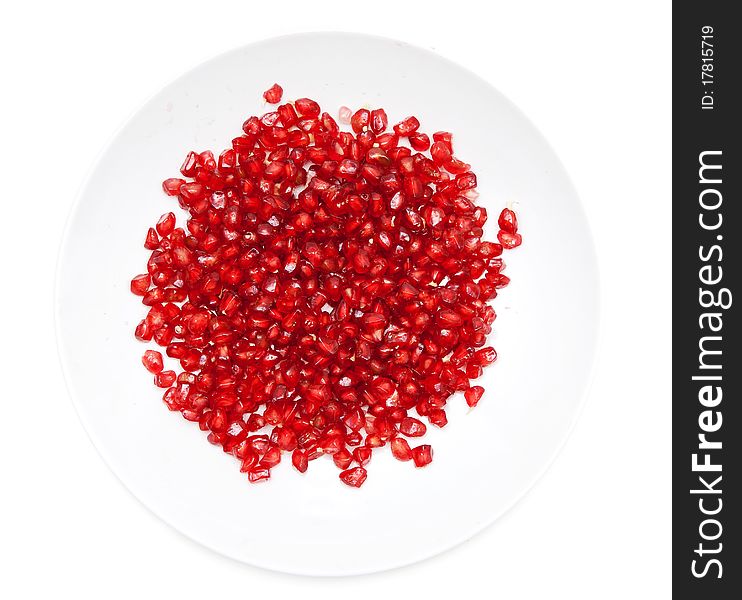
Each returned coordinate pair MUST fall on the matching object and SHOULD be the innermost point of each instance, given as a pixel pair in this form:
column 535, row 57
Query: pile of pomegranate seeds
column 329, row 292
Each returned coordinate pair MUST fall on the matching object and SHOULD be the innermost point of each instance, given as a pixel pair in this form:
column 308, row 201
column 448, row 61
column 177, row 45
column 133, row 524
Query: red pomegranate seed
column 437, row 417
column 329, row 285
column 258, row 474
column 448, row 319
column 507, row 221
column 473, row 395
column 143, row 331
column 379, row 121
column 362, row 455
column 271, row 457
column 360, row 120
column 273, row 94
column 342, row 459
column 406, row 127
column 299, row 460
column 165, row 379
column 440, row 153
column 152, row 361
column 286, row 439
column 248, row 456
column 172, row 186
column 412, row 427
column 445, row 138
column 354, row 477
column 188, row 168
column 140, row 284
column 484, row 357
column 466, row 181
column 306, row 107
column 456, row 167
column 152, row 241
column 509, row 240
column 401, row 449
column 419, row 141
column 166, row 224
column 422, row 455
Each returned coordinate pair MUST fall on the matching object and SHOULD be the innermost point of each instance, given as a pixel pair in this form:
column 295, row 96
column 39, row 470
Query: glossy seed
column 273, row 94
column 473, row 395
column 165, row 379
column 152, row 361
column 407, row 126
column 509, row 240
column 401, row 449
column 422, row 455
column 354, row 477
column 140, row 284
column 412, row 427
column 166, row 224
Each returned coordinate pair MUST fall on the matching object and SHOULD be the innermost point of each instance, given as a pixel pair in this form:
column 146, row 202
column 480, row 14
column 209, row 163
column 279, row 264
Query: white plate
column 485, row 459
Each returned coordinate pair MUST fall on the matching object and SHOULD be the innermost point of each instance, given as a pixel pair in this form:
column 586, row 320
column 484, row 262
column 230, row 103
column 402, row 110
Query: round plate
column 485, row 459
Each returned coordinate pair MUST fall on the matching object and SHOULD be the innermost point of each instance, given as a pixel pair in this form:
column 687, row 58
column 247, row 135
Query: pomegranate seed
column 484, row 357
column 448, row 319
column 473, row 395
column 406, row 127
column 419, row 141
column 412, row 427
column 401, row 449
column 271, row 457
column 188, row 168
column 342, row 459
column 166, row 224
column 422, row 455
column 299, row 460
column 172, row 186
column 273, row 94
column 328, row 284
column 509, row 240
column 466, row 181
column 143, row 331
column 445, row 138
column 438, row 417
column 507, row 221
column 165, row 379
column 140, row 284
column 152, row 361
column 354, row 477
column 344, row 115
column 258, row 474
column 360, row 120
column 152, row 241
column 456, row 166
column 362, row 455
column 379, row 121
column 286, row 440
column 440, row 153
column 306, row 107
column 248, row 456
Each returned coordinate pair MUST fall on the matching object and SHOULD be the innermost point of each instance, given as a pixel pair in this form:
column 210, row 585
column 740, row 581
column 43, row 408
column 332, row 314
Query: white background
column 595, row 79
